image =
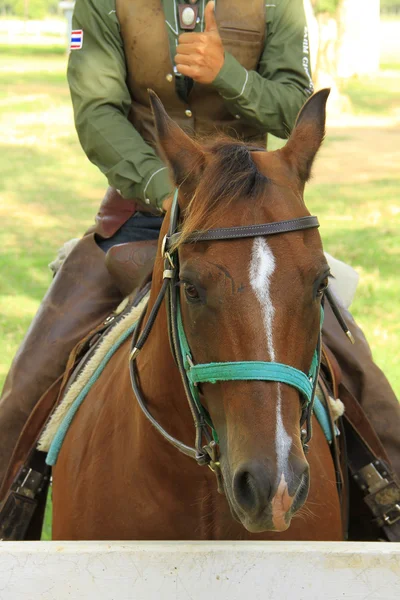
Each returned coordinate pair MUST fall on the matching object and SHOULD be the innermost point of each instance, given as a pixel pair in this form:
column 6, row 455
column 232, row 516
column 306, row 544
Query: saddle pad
column 320, row 411
column 56, row 430
column 344, row 280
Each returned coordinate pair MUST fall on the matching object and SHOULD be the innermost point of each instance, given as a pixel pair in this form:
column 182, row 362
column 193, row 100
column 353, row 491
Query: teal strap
column 187, row 356
column 251, row 370
column 322, row 416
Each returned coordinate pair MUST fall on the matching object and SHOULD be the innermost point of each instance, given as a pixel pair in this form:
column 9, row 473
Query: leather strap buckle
column 388, row 518
column 28, row 484
column 372, row 477
column 214, row 464
column 384, row 503
column 19, row 506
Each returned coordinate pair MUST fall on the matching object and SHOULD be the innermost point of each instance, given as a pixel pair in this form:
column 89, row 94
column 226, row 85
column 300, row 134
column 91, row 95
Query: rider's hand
column 201, row 55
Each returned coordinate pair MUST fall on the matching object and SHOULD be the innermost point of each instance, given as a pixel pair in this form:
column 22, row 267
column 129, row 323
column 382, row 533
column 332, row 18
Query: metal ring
column 163, row 245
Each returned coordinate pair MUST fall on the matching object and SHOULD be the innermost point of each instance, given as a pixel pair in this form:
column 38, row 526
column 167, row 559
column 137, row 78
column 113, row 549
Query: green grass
column 390, row 66
column 373, row 95
column 48, row 517
column 32, row 51
column 371, row 245
column 49, row 193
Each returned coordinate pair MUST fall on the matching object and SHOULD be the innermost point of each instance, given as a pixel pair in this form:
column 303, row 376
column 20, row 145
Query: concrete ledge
column 196, row 571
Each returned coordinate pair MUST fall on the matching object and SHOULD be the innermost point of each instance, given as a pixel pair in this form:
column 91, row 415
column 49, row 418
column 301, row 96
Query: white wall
column 199, row 571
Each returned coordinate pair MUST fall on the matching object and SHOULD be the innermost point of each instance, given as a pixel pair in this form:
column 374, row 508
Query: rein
column 192, row 374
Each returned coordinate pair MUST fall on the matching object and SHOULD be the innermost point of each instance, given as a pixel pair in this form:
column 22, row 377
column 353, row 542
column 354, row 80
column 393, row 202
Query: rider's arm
column 101, row 101
column 272, row 96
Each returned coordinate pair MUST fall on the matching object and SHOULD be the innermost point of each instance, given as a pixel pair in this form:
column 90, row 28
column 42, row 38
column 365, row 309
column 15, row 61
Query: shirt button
column 237, row 116
column 147, row 200
column 169, row 77
column 188, row 16
column 188, row 113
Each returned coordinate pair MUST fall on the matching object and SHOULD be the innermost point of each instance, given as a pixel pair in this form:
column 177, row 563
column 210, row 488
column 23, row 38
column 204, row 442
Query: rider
column 244, row 70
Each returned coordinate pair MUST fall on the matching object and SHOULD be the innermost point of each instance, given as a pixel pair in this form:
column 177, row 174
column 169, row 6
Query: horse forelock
column 231, row 176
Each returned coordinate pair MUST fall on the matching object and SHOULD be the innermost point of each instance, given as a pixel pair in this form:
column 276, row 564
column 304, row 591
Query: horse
column 241, row 265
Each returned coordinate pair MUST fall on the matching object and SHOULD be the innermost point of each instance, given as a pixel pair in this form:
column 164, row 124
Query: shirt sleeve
column 272, row 96
column 101, row 103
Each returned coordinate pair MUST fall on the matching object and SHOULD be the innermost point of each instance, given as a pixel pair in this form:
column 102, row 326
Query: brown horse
column 252, row 298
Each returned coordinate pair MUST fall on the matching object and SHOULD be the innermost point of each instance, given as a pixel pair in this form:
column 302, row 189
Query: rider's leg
column 81, row 295
column 140, row 226
column 365, row 381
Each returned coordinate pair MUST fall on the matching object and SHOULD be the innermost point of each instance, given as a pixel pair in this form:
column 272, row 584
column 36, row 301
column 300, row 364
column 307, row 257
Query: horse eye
column 191, row 292
column 322, row 286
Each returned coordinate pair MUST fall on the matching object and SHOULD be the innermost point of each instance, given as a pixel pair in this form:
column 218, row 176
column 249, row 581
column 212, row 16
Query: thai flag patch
column 76, row 39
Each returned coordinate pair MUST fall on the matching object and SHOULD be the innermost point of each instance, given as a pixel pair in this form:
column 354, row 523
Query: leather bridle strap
column 203, row 455
column 247, row 231
column 188, row 450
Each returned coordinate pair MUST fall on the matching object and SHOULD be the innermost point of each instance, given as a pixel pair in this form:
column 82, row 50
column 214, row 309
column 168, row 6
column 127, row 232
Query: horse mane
column 231, row 175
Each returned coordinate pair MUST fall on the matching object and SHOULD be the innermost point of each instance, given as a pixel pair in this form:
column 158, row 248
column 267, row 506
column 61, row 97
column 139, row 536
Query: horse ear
column 307, row 135
column 184, row 155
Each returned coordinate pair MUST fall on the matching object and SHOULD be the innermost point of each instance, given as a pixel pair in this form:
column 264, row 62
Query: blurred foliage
column 390, row 4
column 28, row 9
column 330, row 6
column 325, row 6
column 33, row 51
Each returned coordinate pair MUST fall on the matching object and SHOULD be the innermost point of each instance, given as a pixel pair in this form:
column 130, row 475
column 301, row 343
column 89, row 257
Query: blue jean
column 139, row 227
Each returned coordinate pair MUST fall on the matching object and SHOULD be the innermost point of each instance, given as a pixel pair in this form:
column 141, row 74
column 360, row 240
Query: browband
column 248, row 231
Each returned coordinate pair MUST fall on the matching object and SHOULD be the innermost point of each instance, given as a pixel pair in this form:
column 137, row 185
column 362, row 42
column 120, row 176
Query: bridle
column 194, row 374
column 191, row 374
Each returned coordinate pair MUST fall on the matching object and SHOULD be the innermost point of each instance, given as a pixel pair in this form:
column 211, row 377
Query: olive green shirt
column 269, row 98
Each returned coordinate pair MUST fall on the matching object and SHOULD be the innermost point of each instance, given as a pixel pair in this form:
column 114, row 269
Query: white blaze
column 262, row 267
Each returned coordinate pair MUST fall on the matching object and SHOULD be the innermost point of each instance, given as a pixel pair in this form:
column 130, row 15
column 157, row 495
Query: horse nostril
column 299, row 469
column 250, row 492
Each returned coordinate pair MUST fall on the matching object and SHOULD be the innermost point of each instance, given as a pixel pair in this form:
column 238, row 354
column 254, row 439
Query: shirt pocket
column 246, row 45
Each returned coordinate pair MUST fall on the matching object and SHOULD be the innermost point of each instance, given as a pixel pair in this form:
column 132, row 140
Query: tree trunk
column 358, row 38
column 327, row 30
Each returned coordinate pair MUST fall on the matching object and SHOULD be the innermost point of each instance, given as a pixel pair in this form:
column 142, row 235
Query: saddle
column 371, row 485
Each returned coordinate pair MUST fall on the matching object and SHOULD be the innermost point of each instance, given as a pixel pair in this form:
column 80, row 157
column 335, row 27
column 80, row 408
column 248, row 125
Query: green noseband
column 251, row 371
column 245, row 371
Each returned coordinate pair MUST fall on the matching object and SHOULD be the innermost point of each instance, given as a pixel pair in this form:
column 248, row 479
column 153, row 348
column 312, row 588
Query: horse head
column 251, row 299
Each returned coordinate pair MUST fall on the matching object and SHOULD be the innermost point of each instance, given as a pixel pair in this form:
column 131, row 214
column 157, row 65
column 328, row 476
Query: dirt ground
column 359, row 150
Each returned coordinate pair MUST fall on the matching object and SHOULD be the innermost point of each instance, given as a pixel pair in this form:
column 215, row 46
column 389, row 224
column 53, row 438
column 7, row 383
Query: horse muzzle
column 261, row 503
